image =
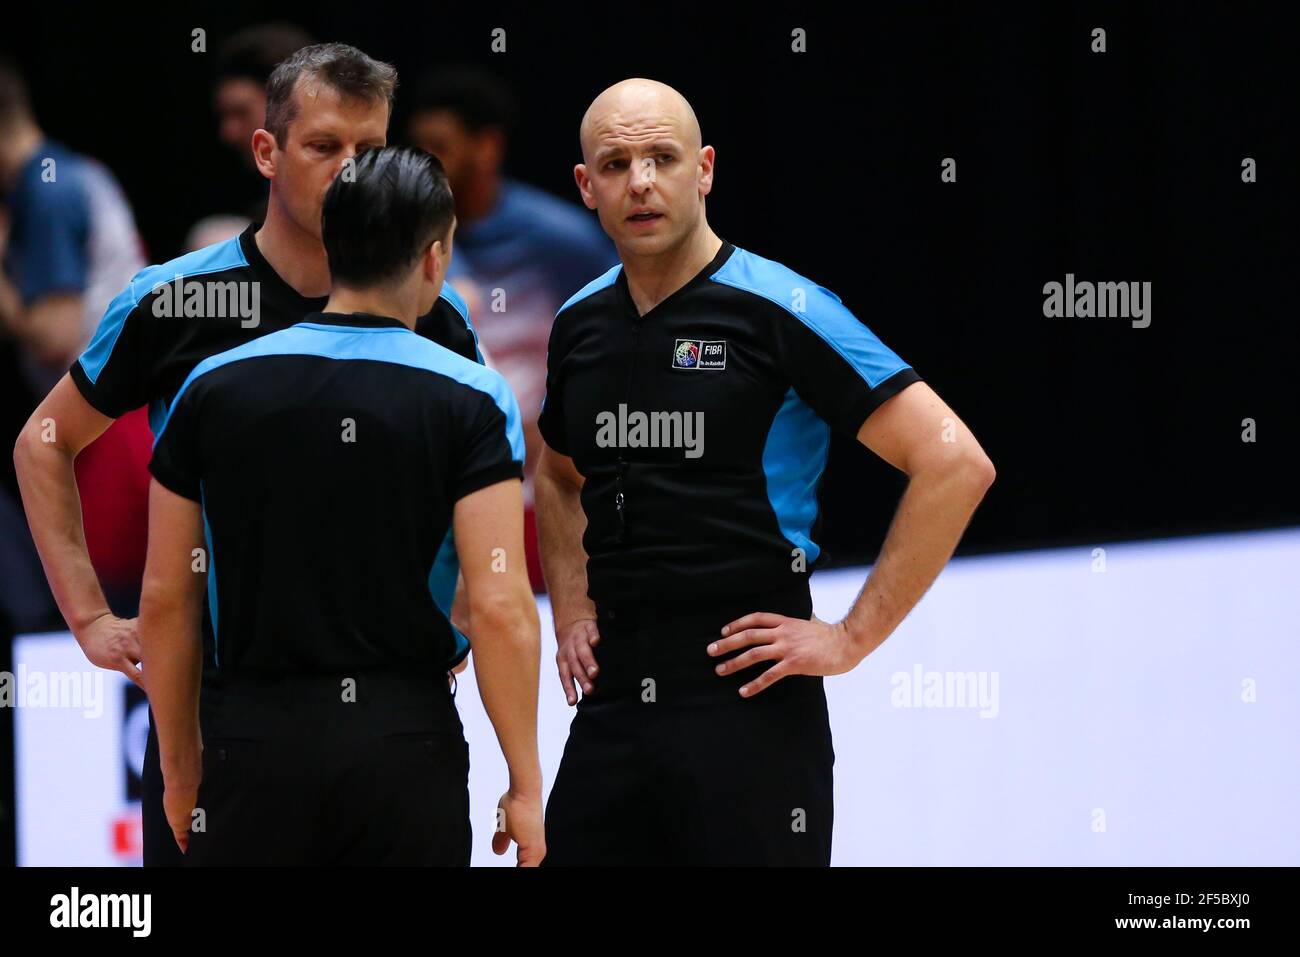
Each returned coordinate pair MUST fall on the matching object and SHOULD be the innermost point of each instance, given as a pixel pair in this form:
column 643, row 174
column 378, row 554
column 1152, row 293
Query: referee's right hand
column 113, row 643
column 574, row 657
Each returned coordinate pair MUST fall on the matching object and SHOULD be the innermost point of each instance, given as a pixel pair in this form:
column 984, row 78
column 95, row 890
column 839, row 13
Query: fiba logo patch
column 700, row 354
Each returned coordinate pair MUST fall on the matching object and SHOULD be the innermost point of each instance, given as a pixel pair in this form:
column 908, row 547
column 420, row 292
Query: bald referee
column 691, row 393
column 324, row 105
column 325, row 463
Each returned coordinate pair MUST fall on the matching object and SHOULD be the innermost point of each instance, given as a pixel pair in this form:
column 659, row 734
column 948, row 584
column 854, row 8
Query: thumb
column 500, row 842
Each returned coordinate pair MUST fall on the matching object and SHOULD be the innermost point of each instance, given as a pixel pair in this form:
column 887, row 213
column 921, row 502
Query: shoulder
column 778, row 284
column 221, row 257
column 593, row 293
column 432, row 357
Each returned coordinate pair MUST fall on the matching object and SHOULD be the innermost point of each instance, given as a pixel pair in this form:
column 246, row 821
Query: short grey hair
column 341, row 67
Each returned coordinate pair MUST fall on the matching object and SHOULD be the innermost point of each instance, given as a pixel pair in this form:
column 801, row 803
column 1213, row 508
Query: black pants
column 309, row 771
column 667, row 765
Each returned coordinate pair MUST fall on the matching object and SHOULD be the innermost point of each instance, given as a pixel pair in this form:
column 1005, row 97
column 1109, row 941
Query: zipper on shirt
column 620, row 501
column 620, row 496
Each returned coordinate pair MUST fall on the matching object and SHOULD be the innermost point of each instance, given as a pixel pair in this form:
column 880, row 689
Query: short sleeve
column 836, row 364
column 176, row 463
column 112, row 371
column 493, row 444
column 550, row 421
column 54, row 253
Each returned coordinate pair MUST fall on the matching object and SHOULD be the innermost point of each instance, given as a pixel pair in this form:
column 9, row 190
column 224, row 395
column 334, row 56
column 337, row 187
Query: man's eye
column 322, row 147
column 614, row 164
column 665, row 157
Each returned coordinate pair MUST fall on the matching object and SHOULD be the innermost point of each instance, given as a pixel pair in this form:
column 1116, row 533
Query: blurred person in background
column 520, row 252
column 68, row 244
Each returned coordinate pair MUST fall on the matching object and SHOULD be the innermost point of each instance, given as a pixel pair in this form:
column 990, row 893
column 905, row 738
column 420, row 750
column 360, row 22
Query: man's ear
column 707, row 157
column 264, row 147
column 433, row 261
column 584, row 185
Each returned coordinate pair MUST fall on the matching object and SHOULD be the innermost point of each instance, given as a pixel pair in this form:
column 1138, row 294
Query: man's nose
column 643, row 175
column 350, row 154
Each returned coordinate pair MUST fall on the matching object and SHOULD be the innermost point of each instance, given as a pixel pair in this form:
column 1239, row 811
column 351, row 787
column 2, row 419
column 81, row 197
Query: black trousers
column 365, row 769
column 667, row 765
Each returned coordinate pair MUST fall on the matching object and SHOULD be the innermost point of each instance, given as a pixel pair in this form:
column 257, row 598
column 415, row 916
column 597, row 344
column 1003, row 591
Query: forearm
column 507, row 649
column 560, row 527
column 931, row 517
column 48, row 483
column 171, row 653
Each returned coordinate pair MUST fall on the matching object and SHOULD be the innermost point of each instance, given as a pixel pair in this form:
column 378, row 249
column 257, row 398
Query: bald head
column 644, row 168
column 635, row 110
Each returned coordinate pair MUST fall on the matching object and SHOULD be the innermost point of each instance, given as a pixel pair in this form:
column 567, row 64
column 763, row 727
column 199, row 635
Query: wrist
column 79, row 624
column 571, row 616
column 857, row 641
column 527, row 786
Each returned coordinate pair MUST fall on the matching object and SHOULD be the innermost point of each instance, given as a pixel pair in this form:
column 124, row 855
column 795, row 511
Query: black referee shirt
column 172, row 316
column 702, row 428
column 328, row 458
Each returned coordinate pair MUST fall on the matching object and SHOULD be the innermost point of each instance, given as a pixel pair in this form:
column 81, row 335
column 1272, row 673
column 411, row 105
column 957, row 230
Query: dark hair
column 479, row 99
column 337, row 65
column 14, row 102
column 253, row 53
column 377, row 223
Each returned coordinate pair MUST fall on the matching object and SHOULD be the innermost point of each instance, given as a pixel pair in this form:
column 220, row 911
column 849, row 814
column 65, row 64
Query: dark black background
column 1122, row 166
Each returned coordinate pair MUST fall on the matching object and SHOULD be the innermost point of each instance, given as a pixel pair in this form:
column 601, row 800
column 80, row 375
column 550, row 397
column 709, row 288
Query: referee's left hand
column 799, row 646
column 521, row 817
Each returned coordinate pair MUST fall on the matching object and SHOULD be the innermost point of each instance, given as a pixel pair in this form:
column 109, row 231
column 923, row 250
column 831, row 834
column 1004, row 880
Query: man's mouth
column 645, row 217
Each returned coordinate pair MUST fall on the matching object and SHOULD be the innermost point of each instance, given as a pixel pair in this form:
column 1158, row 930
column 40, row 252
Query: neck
column 17, row 146
column 296, row 255
column 653, row 278
column 397, row 303
column 476, row 199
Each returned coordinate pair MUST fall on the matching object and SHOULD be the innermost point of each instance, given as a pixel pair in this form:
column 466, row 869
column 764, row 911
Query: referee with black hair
column 321, row 467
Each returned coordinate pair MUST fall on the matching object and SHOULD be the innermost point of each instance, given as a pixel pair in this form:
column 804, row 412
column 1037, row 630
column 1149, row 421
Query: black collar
column 271, row 280
column 717, row 262
column 363, row 320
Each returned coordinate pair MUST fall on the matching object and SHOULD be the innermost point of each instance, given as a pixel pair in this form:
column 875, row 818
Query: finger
column 743, row 639
column 182, row 840
column 765, row 680
column 530, row 856
column 593, row 638
column 759, row 619
column 132, row 672
column 586, row 658
column 749, row 659
column 566, row 681
column 577, row 670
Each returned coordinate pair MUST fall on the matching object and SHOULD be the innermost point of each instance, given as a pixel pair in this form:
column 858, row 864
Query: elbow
column 508, row 618
column 25, row 452
column 981, row 471
column 22, row 450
